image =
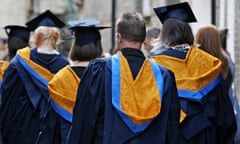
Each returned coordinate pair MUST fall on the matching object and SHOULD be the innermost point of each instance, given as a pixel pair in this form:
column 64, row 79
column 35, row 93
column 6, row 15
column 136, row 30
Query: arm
column 88, row 110
column 173, row 127
column 10, row 92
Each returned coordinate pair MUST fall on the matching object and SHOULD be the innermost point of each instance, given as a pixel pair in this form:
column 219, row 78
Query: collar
column 133, row 55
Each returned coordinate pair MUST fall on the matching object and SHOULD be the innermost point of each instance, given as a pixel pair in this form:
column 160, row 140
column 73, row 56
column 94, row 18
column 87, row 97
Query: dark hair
column 131, row 26
column 85, row 52
column 175, row 32
column 15, row 43
column 223, row 36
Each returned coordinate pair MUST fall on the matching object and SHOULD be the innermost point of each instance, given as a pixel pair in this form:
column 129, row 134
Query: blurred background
column 222, row 13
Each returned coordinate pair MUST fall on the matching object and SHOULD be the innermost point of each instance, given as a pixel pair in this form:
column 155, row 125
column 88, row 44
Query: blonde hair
column 43, row 33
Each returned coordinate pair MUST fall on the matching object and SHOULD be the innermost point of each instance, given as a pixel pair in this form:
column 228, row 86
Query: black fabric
column 52, row 62
column 95, row 121
column 210, row 121
column 26, row 116
column 79, row 71
column 135, row 59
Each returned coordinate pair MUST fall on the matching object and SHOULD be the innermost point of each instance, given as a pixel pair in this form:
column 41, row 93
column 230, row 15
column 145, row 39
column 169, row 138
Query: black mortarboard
column 46, row 18
column 86, row 31
column 180, row 11
column 17, row 31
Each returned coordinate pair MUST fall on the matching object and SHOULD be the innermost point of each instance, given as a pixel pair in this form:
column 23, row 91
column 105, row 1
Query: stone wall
column 12, row 13
column 237, row 48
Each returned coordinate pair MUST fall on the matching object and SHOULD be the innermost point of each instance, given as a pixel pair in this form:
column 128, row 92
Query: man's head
column 131, row 29
column 152, row 38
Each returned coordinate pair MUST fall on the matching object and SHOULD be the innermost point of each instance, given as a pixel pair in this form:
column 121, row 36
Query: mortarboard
column 17, row 31
column 86, row 31
column 180, row 11
column 46, row 18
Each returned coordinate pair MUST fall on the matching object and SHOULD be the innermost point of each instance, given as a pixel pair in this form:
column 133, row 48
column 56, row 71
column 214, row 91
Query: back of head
column 46, row 27
column 15, row 43
column 85, row 52
column 208, row 37
column 153, row 32
column 152, row 38
column 175, row 32
column 43, row 33
column 87, row 44
column 175, row 19
column 131, row 26
column 18, row 31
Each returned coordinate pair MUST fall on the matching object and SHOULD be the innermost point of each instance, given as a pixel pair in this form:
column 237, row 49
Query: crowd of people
column 180, row 93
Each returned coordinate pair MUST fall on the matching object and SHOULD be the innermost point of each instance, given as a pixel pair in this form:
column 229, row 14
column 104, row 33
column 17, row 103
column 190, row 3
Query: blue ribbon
column 116, row 92
column 197, row 96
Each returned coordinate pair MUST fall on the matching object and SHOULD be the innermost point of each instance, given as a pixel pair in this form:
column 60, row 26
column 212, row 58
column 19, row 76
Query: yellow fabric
column 183, row 115
column 25, row 54
column 192, row 73
column 195, row 71
column 139, row 98
column 63, row 88
column 4, row 66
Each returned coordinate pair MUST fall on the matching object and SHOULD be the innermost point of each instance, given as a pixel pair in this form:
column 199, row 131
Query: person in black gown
column 207, row 115
column 26, row 115
column 126, row 98
column 63, row 86
column 18, row 37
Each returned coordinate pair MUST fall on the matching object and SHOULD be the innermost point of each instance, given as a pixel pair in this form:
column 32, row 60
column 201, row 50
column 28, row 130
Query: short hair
column 131, row 26
column 15, row 43
column 176, row 32
column 153, row 32
column 85, row 52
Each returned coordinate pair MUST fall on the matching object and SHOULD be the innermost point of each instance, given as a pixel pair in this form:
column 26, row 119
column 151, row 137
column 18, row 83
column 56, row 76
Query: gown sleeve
column 172, row 102
column 88, row 109
column 11, row 91
column 226, row 122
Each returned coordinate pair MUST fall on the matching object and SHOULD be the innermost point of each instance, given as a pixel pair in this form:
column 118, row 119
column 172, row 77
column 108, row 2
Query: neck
column 129, row 44
column 46, row 46
column 181, row 45
column 79, row 63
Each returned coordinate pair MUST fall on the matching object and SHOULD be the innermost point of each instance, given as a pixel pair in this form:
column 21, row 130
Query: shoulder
column 100, row 62
column 166, row 73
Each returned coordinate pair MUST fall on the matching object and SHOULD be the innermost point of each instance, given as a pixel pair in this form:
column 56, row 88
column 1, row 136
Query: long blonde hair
column 208, row 38
column 43, row 33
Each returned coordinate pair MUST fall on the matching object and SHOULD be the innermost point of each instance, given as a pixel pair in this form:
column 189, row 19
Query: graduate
column 207, row 115
column 18, row 37
column 126, row 98
column 26, row 114
column 63, row 86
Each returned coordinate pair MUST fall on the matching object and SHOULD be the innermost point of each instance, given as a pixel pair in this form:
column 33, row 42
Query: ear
column 119, row 37
column 38, row 39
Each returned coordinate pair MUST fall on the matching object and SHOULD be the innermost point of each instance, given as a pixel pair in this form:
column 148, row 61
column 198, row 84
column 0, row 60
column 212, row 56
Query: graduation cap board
column 180, row 11
column 46, row 18
column 86, row 31
column 17, row 31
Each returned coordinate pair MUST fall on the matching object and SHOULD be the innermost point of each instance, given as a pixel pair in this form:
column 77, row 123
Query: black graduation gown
column 26, row 115
column 64, row 124
column 210, row 121
column 95, row 121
